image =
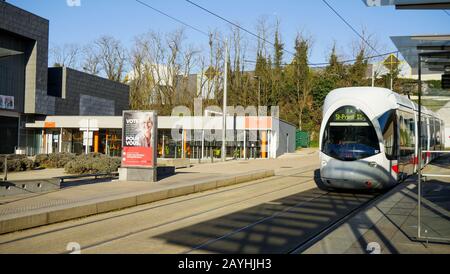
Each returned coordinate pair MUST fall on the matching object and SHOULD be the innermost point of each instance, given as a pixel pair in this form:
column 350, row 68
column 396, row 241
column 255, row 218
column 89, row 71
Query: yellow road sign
column 391, row 62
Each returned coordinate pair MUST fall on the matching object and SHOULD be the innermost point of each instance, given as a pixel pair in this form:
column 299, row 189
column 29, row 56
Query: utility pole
column 373, row 75
column 225, row 90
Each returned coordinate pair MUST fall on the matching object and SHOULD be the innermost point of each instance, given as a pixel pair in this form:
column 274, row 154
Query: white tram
column 369, row 138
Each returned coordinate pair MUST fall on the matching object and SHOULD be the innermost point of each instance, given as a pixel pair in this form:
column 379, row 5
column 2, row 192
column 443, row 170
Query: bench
column 112, row 174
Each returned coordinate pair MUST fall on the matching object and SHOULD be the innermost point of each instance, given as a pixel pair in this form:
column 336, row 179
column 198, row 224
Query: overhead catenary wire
column 236, row 25
column 244, row 29
column 350, row 26
column 342, row 62
column 265, row 40
column 173, row 18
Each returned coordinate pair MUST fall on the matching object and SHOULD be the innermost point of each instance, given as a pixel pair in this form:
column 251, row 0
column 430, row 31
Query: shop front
column 188, row 137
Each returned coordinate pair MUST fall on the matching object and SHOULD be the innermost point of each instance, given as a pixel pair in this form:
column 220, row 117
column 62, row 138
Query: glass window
column 66, row 140
column 438, row 134
column 432, row 135
column 388, row 127
column 350, row 136
column 407, row 134
column 424, row 134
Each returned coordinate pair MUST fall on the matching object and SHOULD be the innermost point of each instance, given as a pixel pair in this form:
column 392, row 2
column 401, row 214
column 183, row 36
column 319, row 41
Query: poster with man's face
column 139, row 130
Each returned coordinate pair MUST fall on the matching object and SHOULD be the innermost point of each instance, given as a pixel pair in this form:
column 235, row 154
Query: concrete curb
column 43, row 217
column 17, row 187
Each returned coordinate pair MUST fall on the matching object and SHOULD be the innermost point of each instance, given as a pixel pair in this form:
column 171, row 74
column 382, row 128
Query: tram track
column 171, row 202
column 311, row 201
column 326, row 230
column 304, row 243
column 134, row 233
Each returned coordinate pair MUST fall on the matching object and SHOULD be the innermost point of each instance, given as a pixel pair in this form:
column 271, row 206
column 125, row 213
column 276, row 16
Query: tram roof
column 375, row 97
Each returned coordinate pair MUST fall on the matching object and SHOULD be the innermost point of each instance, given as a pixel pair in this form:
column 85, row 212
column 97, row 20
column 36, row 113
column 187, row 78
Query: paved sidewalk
column 40, row 209
column 389, row 226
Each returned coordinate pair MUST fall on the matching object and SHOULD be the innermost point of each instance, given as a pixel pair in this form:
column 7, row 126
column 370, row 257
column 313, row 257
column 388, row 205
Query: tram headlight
column 324, row 163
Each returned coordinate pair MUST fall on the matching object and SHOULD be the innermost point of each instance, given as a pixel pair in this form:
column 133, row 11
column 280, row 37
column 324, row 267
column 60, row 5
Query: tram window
column 438, row 133
column 432, row 135
column 388, row 125
column 350, row 136
column 424, row 134
column 407, row 134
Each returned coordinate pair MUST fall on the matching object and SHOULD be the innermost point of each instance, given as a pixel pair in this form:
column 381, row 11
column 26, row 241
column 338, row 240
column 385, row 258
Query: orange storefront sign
column 258, row 123
column 49, row 125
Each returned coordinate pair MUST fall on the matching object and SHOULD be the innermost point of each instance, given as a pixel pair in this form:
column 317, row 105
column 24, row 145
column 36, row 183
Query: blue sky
column 124, row 19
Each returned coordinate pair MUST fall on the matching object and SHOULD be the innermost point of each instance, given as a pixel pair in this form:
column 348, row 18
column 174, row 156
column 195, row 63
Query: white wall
column 285, row 144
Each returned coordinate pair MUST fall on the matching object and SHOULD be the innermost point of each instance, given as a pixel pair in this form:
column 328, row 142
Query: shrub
column 93, row 163
column 54, row 160
column 16, row 163
column 41, row 159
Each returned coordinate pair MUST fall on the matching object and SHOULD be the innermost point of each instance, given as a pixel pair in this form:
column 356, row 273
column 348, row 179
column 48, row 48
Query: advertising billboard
column 139, row 139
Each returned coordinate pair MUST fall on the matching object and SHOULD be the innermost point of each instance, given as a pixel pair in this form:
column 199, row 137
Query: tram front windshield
column 350, row 136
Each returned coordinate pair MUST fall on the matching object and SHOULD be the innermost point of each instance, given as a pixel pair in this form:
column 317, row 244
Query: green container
column 302, row 139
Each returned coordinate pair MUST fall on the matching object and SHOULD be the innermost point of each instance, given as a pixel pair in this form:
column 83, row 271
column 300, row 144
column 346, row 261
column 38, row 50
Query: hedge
column 54, row 160
column 93, row 163
column 16, row 163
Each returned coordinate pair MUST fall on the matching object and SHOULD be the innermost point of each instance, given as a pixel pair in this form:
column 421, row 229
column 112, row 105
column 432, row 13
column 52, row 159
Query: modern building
column 48, row 110
column 178, row 137
column 427, row 56
column 30, row 91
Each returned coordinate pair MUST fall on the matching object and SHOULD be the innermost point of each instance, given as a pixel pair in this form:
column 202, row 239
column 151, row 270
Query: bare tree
column 112, row 56
column 65, row 56
column 91, row 59
column 139, row 79
column 162, row 65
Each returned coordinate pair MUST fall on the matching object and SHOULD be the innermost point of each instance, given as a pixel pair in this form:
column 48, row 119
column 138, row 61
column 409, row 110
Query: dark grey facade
column 37, row 91
column 24, row 39
column 83, row 94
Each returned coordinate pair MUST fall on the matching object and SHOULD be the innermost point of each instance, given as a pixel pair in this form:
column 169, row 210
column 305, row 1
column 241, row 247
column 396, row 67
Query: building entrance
column 8, row 134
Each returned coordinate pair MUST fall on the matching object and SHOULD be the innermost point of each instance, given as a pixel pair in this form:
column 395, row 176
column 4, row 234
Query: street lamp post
column 225, row 89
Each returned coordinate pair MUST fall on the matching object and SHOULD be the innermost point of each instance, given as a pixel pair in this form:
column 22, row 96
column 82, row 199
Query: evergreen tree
column 335, row 69
column 357, row 71
column 277, row 72
column 298, row 84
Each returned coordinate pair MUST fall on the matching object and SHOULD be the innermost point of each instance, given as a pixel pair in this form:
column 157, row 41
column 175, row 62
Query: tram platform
column 38, row 209
column 390, row 224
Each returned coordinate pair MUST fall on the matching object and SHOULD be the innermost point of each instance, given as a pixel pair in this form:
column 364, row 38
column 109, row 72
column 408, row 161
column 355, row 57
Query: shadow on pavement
column 275, row 227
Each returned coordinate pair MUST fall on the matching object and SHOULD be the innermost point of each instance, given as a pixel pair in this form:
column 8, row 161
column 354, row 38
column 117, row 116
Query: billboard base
column 137, row 174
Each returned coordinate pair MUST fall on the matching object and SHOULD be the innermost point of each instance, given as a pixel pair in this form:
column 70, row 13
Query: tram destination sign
column 349, row 117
